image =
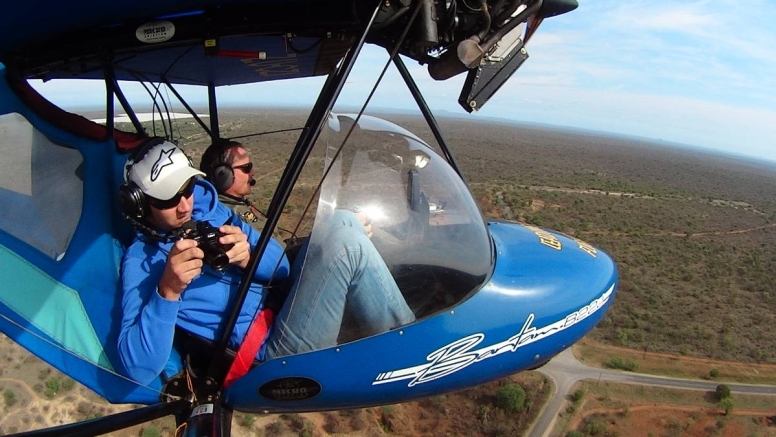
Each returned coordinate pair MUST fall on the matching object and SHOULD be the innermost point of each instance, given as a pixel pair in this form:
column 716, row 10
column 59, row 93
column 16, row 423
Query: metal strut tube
column 304, row 145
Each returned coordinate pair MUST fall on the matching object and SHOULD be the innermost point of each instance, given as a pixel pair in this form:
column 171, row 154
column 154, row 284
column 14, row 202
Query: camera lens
column 217, row 259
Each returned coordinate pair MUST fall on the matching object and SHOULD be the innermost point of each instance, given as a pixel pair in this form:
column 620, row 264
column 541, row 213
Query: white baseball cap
column 162, row 171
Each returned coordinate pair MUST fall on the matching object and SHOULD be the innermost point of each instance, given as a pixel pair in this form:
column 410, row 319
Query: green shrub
column 727, row 405
column 53, row 384
column 578, row 395
column 68, row 384
column 595, row 427
column 10, row 398
column 510, row 398
column 247, row 420
column 713, row 373
column 629, row 364
column 151, row 431
column 723, row 391
column 274, row 428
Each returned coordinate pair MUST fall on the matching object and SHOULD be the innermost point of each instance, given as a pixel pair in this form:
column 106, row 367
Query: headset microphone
column 252, row 182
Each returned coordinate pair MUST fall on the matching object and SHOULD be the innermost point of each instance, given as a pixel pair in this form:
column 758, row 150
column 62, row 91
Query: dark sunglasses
column 186, row 192
column 246, row 168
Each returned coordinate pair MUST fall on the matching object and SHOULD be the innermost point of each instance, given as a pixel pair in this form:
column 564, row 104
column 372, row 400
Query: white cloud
column 691, row 18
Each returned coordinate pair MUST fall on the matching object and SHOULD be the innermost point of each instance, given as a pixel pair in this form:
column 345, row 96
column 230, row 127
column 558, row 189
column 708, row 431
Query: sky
column 700, row 73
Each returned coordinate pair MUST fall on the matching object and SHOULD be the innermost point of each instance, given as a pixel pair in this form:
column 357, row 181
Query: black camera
column 207, row 237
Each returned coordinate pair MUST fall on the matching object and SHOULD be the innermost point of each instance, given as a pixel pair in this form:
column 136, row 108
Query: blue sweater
column 148, row 322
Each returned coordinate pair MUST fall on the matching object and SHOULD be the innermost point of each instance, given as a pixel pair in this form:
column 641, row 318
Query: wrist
column 167, row 292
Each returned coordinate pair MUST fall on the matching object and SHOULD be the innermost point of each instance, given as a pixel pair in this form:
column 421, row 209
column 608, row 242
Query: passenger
column 166, row 283
column 228, row 167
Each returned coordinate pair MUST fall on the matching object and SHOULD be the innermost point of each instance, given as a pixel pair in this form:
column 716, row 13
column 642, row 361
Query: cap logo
column 165, row 159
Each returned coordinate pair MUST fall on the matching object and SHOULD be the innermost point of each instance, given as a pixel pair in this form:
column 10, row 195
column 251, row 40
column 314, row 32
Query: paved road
column 565, row 370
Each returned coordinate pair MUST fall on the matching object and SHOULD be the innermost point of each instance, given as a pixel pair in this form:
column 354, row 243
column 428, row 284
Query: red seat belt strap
column 250, row 346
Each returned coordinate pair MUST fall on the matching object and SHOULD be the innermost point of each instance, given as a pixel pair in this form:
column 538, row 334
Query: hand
column 366, row 222
column 240, row 253
column 184, row 263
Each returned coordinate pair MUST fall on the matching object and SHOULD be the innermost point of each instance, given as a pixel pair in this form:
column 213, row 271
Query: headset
column 133, row 200
column 219, row 172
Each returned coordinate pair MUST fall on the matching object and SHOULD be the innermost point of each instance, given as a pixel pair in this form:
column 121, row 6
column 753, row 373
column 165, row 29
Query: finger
column 192, row 266
column 180, row 275
column 182, row 245
column 190, row 253
column 228, row 229
column 239, row 252
column 184, row 267
column 233, row 238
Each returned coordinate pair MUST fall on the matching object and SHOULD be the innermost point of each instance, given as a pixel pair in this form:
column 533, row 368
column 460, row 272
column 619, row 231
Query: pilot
column 229, row 168
column 166, row 281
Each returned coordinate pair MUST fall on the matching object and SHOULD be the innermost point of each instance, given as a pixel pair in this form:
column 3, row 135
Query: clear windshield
column 424, row 222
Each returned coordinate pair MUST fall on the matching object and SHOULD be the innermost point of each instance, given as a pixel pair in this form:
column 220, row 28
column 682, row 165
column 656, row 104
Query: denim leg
column 342, row 270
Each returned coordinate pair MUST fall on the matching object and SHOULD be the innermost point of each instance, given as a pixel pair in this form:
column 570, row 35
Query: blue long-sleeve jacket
column 148, row 323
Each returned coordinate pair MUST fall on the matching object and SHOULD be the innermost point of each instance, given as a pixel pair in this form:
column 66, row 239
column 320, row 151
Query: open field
column 694, row 237
column 596, row 354
column 610, row 409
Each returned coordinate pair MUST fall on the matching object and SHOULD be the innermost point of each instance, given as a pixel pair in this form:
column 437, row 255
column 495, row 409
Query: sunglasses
column 186, row 192
column 245, row 168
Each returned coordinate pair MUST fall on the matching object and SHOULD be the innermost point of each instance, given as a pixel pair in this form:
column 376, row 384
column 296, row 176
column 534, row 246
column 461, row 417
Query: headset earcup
column 134, row 201
column 223, row 177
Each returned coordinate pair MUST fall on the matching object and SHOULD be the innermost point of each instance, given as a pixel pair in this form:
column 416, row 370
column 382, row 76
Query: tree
column 578, row 395
column 727, row 405
column 53, row 384
column 10, row 398
column 511, row 398
column 723, row 391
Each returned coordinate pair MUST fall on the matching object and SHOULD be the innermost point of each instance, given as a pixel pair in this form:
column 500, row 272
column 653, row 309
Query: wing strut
column 329, row 93
column 215, row 133
column 186, row 105
column 110, row 110
column 430, row 119
column 114, row 90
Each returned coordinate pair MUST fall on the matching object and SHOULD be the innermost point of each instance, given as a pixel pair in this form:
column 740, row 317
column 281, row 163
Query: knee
column 345, row 218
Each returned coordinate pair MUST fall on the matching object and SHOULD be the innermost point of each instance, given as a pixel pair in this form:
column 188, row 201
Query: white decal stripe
column 457, row 355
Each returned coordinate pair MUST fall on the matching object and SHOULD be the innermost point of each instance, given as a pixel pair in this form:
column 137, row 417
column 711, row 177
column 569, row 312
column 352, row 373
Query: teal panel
column 49, row 306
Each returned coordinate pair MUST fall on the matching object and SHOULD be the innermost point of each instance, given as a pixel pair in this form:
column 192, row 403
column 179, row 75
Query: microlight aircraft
column 491, row 297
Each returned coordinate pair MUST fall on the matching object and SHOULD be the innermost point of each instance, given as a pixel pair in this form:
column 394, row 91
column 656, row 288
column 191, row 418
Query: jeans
column 342, row 272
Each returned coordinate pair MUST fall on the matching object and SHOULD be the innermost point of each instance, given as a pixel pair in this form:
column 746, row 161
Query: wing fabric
column 59, row 255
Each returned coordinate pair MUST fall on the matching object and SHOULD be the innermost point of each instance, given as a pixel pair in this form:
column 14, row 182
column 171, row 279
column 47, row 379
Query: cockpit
column 424, row 222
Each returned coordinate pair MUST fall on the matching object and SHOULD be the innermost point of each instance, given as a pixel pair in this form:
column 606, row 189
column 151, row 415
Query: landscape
column 694, row 237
